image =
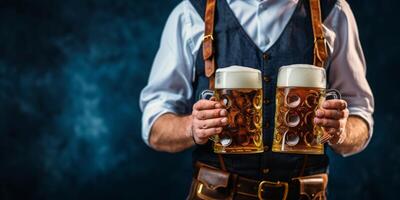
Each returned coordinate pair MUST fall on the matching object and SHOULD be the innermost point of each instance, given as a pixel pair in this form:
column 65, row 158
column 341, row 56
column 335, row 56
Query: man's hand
column 332, row 116
column 209, row 117
column 349, row 133
column 173, row 133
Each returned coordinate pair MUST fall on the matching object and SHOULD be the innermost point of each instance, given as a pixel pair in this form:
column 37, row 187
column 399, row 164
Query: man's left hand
column 332, row 116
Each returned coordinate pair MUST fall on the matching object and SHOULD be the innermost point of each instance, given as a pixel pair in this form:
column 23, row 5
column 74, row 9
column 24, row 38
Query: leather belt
column 213, row 183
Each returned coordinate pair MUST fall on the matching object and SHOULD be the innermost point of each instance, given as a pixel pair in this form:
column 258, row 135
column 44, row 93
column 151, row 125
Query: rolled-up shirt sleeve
column 169, row 88
column 347, row 71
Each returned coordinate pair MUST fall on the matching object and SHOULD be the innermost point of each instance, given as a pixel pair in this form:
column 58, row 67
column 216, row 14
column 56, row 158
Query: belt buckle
column 273, row 184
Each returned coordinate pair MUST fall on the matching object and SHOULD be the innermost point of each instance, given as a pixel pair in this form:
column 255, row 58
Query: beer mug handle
column 330, row 94
column 209, row 95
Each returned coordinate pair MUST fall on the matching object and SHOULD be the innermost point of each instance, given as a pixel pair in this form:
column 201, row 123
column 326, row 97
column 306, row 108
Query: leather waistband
column 213, row 183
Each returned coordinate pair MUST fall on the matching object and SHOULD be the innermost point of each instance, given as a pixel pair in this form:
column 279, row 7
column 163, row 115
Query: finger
column 206, row 133
column 346, row 113
column 331, row 114
column 209, row 114
column 328, row 123
column 206, row 105
column 213, row 123
column 332, row 131
column 325, row 138
column 337, row 104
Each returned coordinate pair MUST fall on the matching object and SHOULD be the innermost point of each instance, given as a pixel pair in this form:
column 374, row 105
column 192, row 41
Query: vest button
column 267, row 101
column 266, row 125
column 266, row 148
column 265, row 171
column 266, row 79
column 265, row 56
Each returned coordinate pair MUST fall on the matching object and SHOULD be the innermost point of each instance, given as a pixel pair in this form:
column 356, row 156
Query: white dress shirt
column 169, row 89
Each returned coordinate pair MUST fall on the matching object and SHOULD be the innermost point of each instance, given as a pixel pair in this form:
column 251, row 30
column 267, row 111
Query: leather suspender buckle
column 320, row 54
column 278, row 184
column 208, row 37
column 208, row 49
column 317, row 39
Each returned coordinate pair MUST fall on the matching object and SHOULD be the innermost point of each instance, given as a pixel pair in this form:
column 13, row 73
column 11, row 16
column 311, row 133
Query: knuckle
column 201, row 134
column 208, row 132
column 218, row 122
column 336, row 124
column 335, row 103
column 200, row 104
column 204, row 125
column 339, row 114
column 197, row 105
column 200, row 115
column 215, row 130
column 216, row 112
column 331, row 114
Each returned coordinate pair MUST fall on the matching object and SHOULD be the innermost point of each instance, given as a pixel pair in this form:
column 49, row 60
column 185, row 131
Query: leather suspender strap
column 320, row 51
column 208, row 51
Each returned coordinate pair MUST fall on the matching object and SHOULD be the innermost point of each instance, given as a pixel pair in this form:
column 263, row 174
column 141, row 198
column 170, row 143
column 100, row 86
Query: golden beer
column 295, row 131
column 240, row 90
column 300, row 91
column 243, row 134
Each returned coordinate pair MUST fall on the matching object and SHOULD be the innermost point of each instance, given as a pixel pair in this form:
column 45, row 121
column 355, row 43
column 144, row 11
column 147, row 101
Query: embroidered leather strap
column 208, row 51
column 320, row 51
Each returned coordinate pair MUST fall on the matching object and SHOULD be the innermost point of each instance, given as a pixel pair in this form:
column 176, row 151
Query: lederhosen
column 267, row 175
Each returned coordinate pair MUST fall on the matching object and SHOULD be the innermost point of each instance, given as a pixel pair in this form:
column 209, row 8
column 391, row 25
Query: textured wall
column 70, row 77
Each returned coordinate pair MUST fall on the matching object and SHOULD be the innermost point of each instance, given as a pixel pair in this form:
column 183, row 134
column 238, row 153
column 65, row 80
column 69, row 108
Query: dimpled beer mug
column 300, row 91
column 240, row 90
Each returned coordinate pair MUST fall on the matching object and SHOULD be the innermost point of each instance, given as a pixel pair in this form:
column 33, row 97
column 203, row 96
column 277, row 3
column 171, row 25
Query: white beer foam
column 238, row 77
column 301, row 75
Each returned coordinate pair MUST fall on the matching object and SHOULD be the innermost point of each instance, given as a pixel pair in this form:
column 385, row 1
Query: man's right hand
column 209, row 117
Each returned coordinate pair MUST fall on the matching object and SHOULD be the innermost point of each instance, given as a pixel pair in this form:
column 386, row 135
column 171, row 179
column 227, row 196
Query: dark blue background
column 70, row 76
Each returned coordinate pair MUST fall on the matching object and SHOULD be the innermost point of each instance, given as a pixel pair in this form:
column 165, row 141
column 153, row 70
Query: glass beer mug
column 300, row 91
column 240, row 90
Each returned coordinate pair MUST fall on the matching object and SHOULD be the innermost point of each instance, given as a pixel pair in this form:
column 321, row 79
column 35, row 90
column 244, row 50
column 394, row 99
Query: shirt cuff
column 150, row 115
column 356, row 111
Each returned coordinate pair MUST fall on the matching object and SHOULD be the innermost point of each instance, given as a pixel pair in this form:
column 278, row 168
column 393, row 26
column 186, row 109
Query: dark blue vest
column 234, row 47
